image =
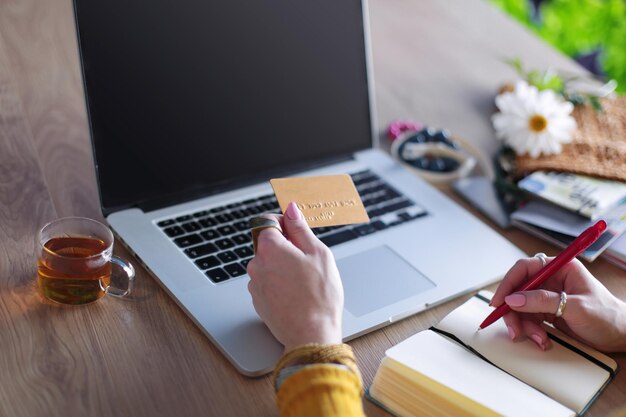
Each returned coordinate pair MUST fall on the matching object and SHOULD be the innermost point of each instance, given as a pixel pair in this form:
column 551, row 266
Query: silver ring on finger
column 542, row 257
column 562, row 304
column 259, row 223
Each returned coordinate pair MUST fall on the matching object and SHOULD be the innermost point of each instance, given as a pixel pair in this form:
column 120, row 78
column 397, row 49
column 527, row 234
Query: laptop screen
column 187, row 97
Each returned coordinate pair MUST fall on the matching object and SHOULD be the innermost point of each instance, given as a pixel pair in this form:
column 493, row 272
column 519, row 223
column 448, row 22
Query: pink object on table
column 397, row 127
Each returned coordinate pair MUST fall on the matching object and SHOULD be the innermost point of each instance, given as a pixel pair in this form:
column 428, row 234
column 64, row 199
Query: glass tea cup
column 75, row 262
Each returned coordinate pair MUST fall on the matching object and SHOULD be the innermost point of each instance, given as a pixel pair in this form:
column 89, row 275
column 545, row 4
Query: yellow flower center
column 537, row 123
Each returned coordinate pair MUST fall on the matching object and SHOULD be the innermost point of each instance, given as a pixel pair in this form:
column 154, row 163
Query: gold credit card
column 330, row 200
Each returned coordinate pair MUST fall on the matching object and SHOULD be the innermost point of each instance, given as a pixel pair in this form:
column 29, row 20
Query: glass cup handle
column 130, row 274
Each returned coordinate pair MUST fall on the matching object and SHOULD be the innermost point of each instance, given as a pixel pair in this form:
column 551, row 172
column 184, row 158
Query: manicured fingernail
column 515, row 300
column 511, row 332
column 292, row 211
column 538, row 341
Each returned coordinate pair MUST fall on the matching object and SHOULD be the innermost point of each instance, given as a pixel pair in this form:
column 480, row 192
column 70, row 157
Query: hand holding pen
column 592, row 314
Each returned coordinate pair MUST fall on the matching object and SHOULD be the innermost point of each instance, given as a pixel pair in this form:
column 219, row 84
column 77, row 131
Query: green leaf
column 595, row 103
column 517, row 65
column 545, row 81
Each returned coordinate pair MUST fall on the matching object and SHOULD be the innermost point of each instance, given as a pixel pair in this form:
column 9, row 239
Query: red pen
column 579, row 244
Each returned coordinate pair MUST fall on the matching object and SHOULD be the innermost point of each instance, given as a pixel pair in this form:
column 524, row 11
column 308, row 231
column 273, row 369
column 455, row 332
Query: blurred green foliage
column 578, row 27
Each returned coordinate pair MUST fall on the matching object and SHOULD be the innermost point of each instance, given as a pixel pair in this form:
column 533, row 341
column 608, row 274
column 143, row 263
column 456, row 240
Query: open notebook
column 451, row 369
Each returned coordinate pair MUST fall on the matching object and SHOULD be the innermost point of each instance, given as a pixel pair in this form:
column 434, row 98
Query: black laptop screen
column 187, row 96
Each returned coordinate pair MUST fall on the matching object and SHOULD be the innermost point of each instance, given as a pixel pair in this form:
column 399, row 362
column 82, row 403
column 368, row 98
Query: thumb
column 537, row 301
column 297, row 230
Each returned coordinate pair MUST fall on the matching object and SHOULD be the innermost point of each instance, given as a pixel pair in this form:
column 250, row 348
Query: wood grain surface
column 437, row 62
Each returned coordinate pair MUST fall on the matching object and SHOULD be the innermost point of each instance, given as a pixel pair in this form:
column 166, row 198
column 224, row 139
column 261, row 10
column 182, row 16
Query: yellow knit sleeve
column 320, row 388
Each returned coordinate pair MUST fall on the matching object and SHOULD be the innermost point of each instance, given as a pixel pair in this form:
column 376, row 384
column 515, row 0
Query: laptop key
column 243, row 252
column 209, row 234
column 251, row 211
column 375, row 212
column 227, row 256
column 191, row 226
column 235, row 270
column 188, row 240
column 208, row 262
column 225, row 243
column 224, row 218
column 338, row 237
column 226, row 230
column 207, row 222
column 245, row 262
column 174, row 231
column 378, row 225
column 241, row 239
column 183, row 218
column 241, row 225
column 217, row 275
column 378, row 199
column 364, row 229
column 270, row 206
column 238, row 214
column 165, row 223
column 364, row 179
column 367, row 201
column 198, row 251
column 201, row 213
column 404, row 216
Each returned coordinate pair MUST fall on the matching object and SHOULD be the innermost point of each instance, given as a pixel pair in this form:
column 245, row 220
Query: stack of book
column 566, row 204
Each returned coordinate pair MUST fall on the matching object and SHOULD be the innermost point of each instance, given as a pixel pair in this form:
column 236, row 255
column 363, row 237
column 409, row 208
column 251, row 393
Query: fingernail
column 292, row 211
column 538, row 341
column 515, row 300
column 511, row 332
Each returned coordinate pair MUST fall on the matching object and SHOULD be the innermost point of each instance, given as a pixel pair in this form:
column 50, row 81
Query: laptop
column 194, row 106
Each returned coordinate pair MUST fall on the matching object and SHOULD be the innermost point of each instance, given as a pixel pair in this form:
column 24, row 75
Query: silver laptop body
column 387, row 275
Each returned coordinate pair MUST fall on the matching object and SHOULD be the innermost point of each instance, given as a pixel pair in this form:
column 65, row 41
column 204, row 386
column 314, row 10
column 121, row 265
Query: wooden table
column 438, row 62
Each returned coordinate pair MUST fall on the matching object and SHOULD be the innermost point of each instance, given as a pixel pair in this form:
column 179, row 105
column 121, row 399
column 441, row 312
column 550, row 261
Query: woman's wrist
column 611, row 317
column 621, row 325
column 315, row 353
column 323, row 332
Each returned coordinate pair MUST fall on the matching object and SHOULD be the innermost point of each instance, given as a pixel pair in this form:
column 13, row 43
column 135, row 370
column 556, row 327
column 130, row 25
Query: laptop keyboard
column 218, row 240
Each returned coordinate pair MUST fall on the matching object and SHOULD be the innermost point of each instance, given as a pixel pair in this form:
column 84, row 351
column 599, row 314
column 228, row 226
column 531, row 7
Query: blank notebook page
column 559, row 372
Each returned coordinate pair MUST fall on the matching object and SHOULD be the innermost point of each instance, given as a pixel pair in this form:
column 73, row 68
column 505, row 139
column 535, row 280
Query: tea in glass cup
column 75, row 261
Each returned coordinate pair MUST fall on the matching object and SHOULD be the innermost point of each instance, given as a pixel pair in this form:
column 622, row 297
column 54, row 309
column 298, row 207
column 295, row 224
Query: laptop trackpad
column 378, row 278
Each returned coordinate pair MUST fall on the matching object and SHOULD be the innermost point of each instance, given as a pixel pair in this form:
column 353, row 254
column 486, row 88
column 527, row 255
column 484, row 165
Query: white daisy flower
column 532, row 121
